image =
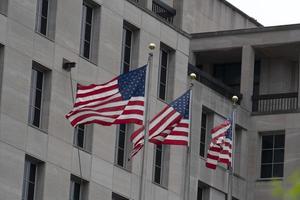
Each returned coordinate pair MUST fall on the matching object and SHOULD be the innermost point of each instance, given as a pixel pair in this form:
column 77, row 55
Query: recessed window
column 32, row 185
column 203, row 134
column 130, row 39
column 163, row 76
column 166, row 71
column 161, row 165
column 115, row 196
column 124, row 146
column 126, row 49
column 39, row 96
column 3, row 6
column 272, row 155
column 83, row 137
column 89, row 30
column 45, row 17
column 203, row 191
column 78, row 188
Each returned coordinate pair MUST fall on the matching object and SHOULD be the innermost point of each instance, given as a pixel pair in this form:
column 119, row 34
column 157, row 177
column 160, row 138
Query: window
column 3, row 7
column 129, row 47
column 45, row 17
column 166, row 71
column 203, row 134
column 126, row 49
column 163, row 75
column 83, row 137
column 237, row 149
column 124, row 146
column 32, row 180
column 78, row 188
column 203, row 191
column 90, row 30
column 39, row 96
column 272, row 155
column 161, row 161
column 117, row 197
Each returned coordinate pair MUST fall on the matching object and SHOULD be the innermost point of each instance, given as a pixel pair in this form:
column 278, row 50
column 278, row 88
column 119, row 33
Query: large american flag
column 170, row 126
column 220, row 148
column 119, row 101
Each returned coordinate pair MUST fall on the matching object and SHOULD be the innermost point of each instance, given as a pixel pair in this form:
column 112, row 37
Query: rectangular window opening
column 272, row 155
column 203, row 134
column 124, row 146
column 90, row 24
column 78, row 188
column 83, row 137
column 32, row 179
column 39, row 96
column 45, row 17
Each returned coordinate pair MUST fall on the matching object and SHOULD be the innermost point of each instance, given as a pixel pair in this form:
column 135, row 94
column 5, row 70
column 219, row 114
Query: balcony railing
column 269, row 103
column 163, row 10
column 214, row 83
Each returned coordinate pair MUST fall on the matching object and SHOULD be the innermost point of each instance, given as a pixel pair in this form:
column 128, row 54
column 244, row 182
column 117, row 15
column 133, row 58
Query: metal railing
column 269, row 103
column 163, row 10
column 213, row 83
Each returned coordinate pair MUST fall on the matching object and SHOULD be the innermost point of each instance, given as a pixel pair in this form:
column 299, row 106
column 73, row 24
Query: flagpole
column 146, row 123
column 231, row 168
column 186, row 191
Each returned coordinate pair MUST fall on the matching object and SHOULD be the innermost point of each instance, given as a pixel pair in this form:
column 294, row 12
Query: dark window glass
column 36, row 96
column 279, row 141
column 79, row 136
column 126, row 50
column 76, row 194
column 267, row 156
column 278, row 170
column 266, row 171
column 118, row 197
column 87, row 19
column 272, row 156
column 43, row 6
column 121, row 156
column 158, row 164
column 163, row 74
column 267, row 142
column 162, row 91
column 29, row 181
column 203, row 135
column 199, row 193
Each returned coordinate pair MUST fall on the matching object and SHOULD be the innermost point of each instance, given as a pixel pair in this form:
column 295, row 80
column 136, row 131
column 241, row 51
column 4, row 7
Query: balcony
column 213, row 83
column 163, row 10
column 275, row 103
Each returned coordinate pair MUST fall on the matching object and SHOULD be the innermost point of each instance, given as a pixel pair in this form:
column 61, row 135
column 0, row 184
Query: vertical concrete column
column 149, row 4
column 247, row 76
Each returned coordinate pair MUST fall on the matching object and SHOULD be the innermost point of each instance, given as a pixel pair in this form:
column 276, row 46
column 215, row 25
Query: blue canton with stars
column 229, row 131
column 182, row 104
column 132, row 84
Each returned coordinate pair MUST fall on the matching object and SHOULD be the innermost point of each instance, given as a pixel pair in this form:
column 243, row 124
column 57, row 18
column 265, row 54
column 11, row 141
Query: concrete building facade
column 42, row 157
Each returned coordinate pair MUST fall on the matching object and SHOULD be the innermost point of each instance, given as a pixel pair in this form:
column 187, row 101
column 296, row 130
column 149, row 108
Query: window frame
column 26, row 179
column 127, row 147
column 164, row 168
column 167, row 51
column 38, row 177
column 75, row 141
column 33, row 98
column 273, row 134
column 205, row 137
column 82, row 190
column 39, row 16
column 86, row 4
column 124, row 34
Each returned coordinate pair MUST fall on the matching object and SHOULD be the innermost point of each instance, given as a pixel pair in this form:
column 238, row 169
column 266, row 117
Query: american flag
column 119, row 101
column 170, row 126
column 220, row 148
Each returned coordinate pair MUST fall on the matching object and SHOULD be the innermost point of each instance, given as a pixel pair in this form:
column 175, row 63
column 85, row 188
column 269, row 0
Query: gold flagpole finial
column 152, row 46
column 234, row 99
column 193, row 76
